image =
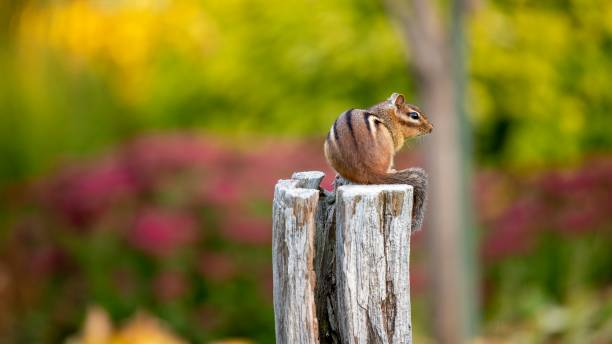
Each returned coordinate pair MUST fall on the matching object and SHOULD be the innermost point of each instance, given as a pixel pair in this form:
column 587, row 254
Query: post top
column 302, row 193
column 308, row 179
column 359, row 189
column 308, row 175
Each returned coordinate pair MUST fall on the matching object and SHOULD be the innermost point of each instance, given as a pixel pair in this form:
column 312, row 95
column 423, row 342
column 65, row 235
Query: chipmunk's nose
column 430, row 128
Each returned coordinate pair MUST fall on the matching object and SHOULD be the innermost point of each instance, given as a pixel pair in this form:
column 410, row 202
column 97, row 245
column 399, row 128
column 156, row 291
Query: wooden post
column 292, row 263
column 340, row 262
column 372, row 250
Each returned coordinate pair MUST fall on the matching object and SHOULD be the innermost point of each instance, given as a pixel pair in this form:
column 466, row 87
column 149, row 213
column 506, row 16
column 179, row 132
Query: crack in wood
column 358, row 289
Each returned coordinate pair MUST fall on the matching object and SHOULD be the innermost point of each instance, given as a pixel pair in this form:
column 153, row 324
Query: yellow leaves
column 521, row 43
column 571, row 117
column 543, row 69
column 255, row 62
column 145, row 330
column 233, row 341
column 480, row 101
column 97, row 328
column 141, row 329
column 607, row 14
column 126, row 36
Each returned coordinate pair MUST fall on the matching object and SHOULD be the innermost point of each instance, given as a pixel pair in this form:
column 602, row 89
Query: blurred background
column 140, row 141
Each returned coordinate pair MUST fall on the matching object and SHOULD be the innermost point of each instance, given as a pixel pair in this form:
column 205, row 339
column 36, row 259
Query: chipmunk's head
column 412, row 121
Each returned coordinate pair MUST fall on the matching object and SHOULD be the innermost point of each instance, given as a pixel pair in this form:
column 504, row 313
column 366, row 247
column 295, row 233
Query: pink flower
column 514, row 232
column 577, row 220
column 152, row 156
column 161, row 233
column 83, row 194
column 221, row 191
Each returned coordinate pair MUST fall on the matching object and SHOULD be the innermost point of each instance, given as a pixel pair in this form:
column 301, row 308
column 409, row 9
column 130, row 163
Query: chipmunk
column 361, row 145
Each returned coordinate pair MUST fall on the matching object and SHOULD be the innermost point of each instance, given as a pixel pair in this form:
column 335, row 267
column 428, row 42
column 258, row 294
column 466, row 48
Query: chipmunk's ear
column 397, row 99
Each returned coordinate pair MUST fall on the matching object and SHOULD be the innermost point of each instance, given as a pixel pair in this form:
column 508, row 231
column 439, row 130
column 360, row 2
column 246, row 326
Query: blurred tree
column 437, row 58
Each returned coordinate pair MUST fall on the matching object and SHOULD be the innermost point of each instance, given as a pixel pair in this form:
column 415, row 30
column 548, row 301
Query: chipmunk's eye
column 414, row 115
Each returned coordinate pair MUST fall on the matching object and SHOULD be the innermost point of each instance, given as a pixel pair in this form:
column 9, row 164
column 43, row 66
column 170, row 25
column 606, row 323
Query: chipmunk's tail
column 417, row 178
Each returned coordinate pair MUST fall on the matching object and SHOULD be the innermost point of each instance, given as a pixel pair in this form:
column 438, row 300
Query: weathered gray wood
column 308, row 179
column 325, row 268
column 324, row 262
column 372, row 263
column 361, row 290
column 293, row 231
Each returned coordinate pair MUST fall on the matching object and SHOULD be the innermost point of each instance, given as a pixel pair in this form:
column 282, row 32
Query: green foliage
column 545, row 295
column 79, row 76
column 85, row 76
column 540, row 80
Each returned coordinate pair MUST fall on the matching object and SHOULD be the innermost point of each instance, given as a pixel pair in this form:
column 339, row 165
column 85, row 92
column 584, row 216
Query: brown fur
column 361, row 146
